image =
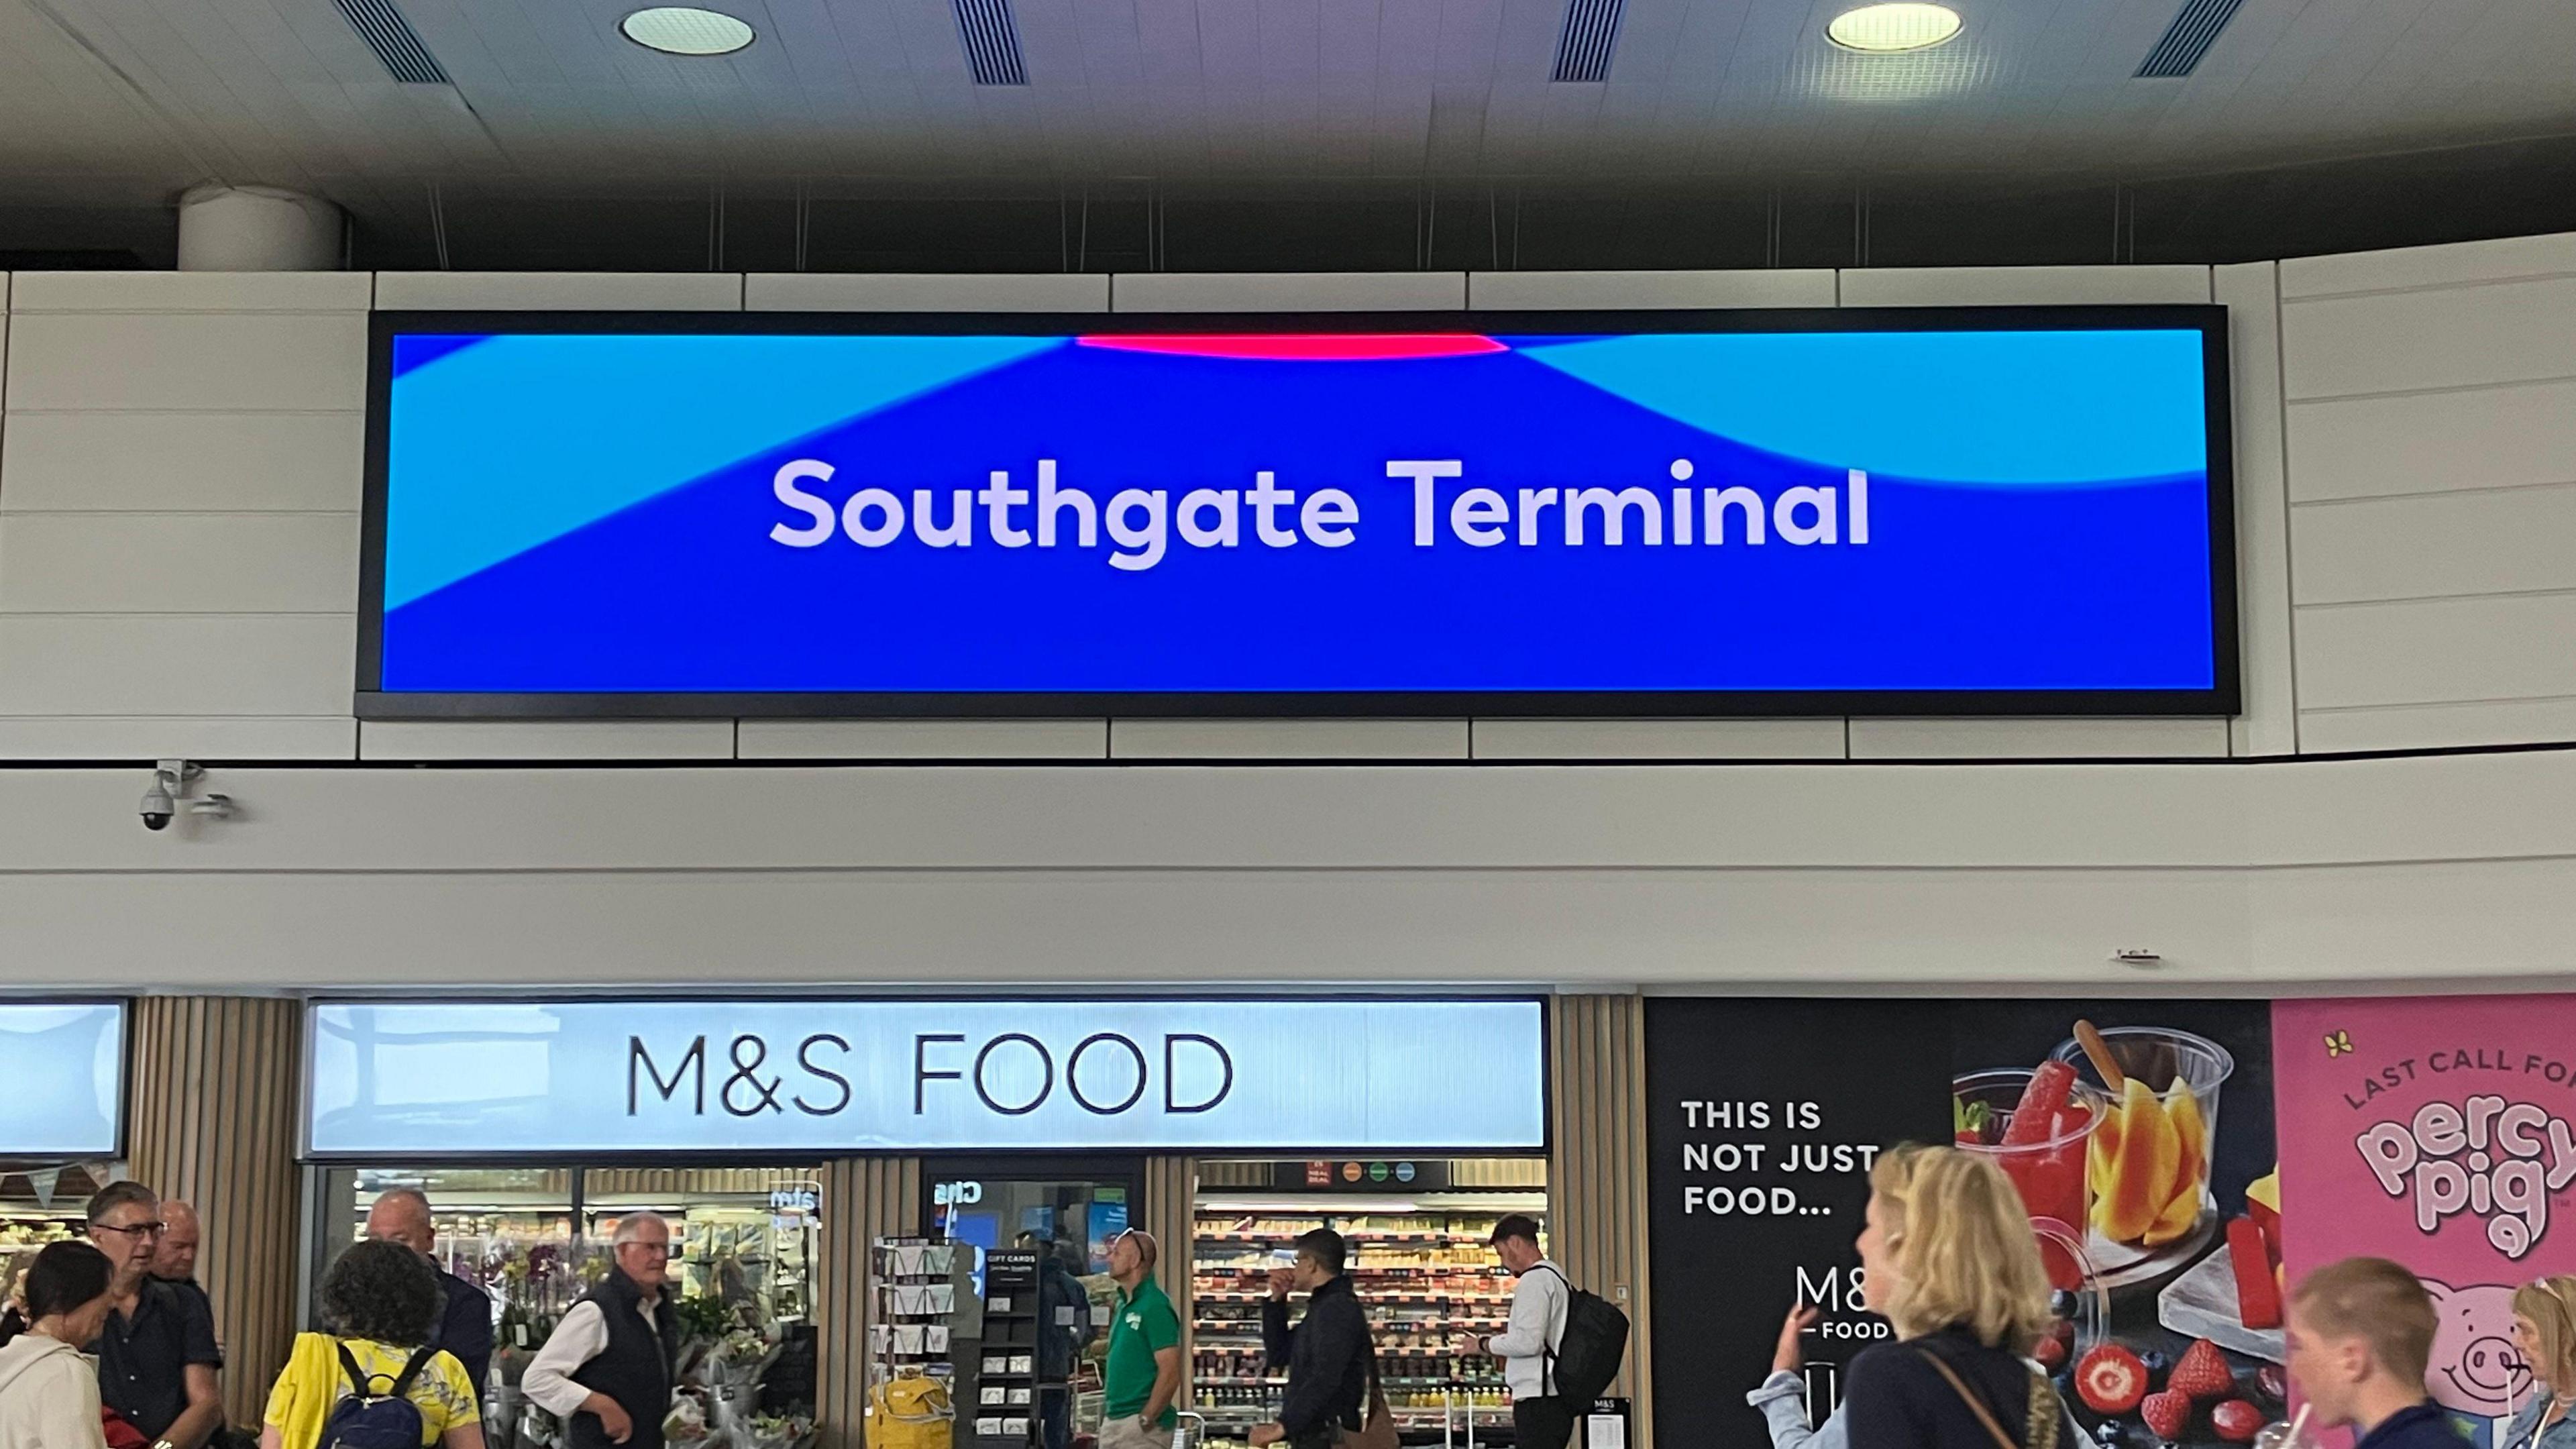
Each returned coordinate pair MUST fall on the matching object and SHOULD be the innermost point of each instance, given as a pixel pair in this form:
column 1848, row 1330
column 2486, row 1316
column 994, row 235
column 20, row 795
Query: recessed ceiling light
column 685, row 30
column 1883, row 28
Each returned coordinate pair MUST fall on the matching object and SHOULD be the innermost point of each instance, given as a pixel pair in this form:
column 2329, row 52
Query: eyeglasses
column 144, row 1230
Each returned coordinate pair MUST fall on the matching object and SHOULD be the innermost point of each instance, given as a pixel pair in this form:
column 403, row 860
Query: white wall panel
column 162, row 362
column 1658, row 739
column 191, row 292
column 1288, row 292
column 2268, row 721
column 224, row 563
column 2512, row 435
column 1533, row 291
column 1288, row 739
column 168, row 737
column 2037, row 739
column 2435, row 546
column 833, row 292
column 687, row 739
column 2508, row 647
column 559, row 291
column 2020, row 286
column 2449, row 265
column 2438, row 726
column 2477, row 336
column 176, row 664
column 148, row 462
column 923, row 739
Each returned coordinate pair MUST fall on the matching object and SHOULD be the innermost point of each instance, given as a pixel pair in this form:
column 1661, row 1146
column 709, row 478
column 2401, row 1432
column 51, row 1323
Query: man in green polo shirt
column 1143, row 1375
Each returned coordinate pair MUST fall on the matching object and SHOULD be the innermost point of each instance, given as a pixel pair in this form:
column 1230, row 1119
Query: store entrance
column 1012, row 1294
column 1029, row 1289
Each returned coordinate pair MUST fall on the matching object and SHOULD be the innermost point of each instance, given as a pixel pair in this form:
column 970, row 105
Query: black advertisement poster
column 1763, row 1117
column 2156, row 1210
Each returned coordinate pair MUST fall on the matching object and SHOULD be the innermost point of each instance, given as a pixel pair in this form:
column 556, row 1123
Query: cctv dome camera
column 157, row 807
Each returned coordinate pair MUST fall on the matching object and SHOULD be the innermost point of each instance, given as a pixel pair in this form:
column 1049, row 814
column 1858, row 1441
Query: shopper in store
column 1142, row 1378
column 1528, row 1346
column 158, row 1365
column 2360, row 1334
column 1064, row 1326
column 1327, row 1355
column 1969, row 1303
column 609, row 1366
column 464, row 1325
column 48, row 1392
column 380, row 1303
column 174, row 1258
column 2544, row 1329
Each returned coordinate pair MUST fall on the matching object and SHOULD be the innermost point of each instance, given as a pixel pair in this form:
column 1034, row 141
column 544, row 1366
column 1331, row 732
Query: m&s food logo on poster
column 2481, row 1152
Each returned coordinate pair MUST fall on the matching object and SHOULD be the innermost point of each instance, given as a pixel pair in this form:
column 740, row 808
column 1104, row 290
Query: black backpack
column 368, row 1420
column 1587, row 1355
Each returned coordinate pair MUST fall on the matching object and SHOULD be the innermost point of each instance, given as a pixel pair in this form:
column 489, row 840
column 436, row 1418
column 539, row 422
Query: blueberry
column 2061, row 1304
column 2109, row 1432
column 2157, row 1362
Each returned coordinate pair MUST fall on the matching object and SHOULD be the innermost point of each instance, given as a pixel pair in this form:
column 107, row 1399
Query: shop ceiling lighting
column 686, row 30
column 1884, row 29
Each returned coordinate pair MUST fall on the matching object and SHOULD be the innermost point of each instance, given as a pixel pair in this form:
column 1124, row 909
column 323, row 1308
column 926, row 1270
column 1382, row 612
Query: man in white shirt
column 607, row 1368
column 1540, row 1420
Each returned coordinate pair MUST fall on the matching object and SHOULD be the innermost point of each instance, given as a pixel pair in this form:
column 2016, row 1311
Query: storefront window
column 535, row 1239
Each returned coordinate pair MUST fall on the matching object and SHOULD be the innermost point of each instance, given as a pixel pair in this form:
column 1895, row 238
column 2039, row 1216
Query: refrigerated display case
column 1422, row 1264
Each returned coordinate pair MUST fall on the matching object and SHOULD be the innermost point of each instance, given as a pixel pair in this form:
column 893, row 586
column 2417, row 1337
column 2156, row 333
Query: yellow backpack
column 910, row 1411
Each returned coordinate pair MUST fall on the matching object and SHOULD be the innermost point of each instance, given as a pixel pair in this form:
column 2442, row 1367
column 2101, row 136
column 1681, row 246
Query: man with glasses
column 609, row 1366
column 158, row 1365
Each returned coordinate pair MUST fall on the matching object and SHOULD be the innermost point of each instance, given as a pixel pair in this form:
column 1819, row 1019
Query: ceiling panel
column 108, row 100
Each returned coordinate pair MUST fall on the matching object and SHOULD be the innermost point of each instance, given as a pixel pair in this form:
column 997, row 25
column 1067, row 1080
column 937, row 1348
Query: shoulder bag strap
column 1975, row 1405
column 2046, row 1413
column 411, row 1370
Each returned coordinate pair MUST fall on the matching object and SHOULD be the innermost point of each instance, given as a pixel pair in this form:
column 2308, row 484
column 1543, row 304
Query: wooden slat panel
column 1169, row 1213
column 214, row 1126
column 1597, row 1203
column 864, row 1198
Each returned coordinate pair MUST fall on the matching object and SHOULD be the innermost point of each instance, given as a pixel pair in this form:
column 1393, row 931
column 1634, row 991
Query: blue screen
column 1444, row 513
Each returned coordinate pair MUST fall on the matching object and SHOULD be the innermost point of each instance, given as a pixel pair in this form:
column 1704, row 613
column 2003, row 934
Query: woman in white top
column 2544, row 1328
column 48, row 1389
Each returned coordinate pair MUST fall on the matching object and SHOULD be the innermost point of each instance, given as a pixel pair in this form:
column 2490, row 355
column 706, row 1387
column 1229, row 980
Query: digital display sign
column 542, row 1077
column 66, row 1096
column 2020, row 510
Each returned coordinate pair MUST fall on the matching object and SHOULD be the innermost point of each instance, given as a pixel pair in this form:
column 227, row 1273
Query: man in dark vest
column 608, row 1367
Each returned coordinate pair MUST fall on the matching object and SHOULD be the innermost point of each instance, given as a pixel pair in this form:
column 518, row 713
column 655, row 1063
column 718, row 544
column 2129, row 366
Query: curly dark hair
column 382, row 1291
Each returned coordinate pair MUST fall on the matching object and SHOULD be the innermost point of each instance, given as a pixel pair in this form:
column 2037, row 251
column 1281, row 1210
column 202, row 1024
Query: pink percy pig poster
column 2440, row 1132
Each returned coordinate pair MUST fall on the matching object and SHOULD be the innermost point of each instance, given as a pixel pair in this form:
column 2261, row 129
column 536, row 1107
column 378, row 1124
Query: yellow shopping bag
column 910, row 1411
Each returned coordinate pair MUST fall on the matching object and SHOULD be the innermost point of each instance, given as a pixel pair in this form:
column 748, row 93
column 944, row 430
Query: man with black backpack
column 1541, row 1417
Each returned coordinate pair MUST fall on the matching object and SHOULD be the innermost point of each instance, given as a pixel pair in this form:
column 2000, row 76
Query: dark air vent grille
column 2193, row 31
column 390, row 36
column 1591, row 30
column 992, row 41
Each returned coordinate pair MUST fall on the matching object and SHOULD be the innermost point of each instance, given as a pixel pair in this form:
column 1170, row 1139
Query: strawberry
column 2050, row 1352
column 2049, row 1088
column 2167, row 1414
column 2111, row 1380
column 2273, row 1382
column 2202, row 1373
column 2237, row 1421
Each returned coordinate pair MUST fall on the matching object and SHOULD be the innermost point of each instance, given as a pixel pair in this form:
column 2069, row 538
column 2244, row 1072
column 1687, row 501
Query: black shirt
column 464, row 1328
column 2425, row 1426
column 143, row 1361
column 1327, row 1358
column 1895, row 1398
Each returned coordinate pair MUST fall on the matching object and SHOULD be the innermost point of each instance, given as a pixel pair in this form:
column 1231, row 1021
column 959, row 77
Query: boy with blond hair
column 2360, row 1335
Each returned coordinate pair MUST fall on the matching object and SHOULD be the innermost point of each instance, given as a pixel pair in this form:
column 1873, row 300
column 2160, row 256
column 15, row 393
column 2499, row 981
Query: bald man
column 174, row 1257
column 465, row 1329
column 609, row 1367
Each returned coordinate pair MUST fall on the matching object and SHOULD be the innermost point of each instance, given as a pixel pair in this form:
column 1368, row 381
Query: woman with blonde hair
column 2544, row 1328
column 1969, row 1301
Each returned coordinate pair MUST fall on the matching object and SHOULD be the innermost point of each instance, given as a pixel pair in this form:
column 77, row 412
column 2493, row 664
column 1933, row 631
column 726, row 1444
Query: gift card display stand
column 915, row 1297
column 1006, row 1391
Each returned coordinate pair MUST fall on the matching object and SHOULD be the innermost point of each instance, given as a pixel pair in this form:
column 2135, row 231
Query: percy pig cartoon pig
column 2475, row 1368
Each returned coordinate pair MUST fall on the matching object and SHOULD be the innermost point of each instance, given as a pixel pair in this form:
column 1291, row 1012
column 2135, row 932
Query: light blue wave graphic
column 502, row 446
column 1952, row 407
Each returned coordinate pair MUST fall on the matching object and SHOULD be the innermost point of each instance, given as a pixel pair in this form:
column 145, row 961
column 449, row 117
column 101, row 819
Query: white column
column 257, row 229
